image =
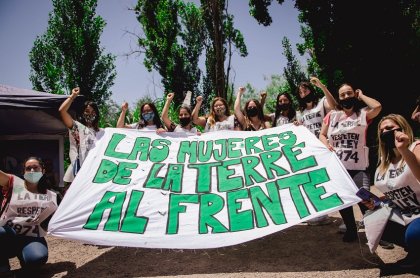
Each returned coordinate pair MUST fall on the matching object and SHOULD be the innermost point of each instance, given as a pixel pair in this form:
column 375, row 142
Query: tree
column 171, row 47
column 292, row 72
column 68, row 54
column 259, row 10
column 221, row 38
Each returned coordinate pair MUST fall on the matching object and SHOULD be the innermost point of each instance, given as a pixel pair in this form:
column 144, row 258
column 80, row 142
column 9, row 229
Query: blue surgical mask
column 33, row 177
column 148, row 116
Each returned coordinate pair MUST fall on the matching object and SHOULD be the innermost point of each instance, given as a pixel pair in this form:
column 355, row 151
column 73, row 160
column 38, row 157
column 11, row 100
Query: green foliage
column 259, row 10
column 277, row 85
column 69, row 55
column 293, row 72
column 172, row 43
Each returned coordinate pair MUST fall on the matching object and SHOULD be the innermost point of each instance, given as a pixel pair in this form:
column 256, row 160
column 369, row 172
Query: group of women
column 349, row 116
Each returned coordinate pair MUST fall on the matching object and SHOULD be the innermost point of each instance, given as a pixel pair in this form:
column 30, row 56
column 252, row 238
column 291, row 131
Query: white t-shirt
column 400, row 186
column 228, row 124
column 26, row 210
column 312, row 118
column 347, row 134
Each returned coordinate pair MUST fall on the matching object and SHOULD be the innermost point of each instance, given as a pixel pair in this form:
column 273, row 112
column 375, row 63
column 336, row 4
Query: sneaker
column 410, row 261
column 342, row 228
column 386, row 245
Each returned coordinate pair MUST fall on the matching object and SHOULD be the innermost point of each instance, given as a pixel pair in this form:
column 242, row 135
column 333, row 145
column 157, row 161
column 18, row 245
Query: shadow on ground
column 300, row 248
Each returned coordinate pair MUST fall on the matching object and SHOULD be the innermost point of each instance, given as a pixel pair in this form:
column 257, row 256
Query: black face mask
column 348, row 103
column 283, row 107
column 184, row 121
column 388, row 137
column 308, row 98
column 251, row 111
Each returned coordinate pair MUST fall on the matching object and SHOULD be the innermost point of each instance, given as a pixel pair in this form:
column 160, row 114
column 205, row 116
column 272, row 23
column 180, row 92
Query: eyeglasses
column 35, row 168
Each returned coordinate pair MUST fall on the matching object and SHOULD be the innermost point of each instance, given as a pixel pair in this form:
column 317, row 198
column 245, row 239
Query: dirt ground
column 300, row 251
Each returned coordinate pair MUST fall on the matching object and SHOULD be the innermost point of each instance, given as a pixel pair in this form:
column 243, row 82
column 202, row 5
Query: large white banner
column 140, row 189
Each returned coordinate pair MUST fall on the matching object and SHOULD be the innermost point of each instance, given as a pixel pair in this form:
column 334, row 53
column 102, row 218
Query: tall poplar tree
column 69, row 54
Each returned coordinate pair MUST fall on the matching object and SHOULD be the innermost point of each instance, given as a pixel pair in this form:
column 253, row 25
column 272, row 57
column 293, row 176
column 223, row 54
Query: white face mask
column 33, row 177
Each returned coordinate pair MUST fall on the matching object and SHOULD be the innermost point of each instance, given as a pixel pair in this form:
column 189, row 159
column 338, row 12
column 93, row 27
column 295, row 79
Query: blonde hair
column 385, row 155
column 212, row 116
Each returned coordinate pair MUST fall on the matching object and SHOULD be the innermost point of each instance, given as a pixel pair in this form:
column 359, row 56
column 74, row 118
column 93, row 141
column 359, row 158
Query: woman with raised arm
column 184, row 118
column 83, row 133
column 219, row 117
column 28, row 205
column 252, row 118
column 344, row 131
column 149, row 118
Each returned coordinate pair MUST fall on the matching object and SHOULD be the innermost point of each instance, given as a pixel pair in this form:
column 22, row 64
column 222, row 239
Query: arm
column 121, row 119
column 331, row 102
column 65, row 116
column 201, row 121
column 375, row 106
column 165, row 118
column 238, row 113
column 4, row 179
column 417, row 110
column 323, row 136
column 412, row 158
column 263, row 96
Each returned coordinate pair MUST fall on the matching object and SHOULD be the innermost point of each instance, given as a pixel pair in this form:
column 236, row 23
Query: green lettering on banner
column 225, row 181
column 112, row 145
column 250, row 174
column 152, row 180
column 268, row 143
column 314, row 192
column 141, row 146
column 298, row 164
column 203, row 180
column 160, row 150
column 211, row 204
column 231, row 144
column 222, row 154
column 118, row 173
column 131, row 222
column 271, row 203
column 239, row 221
column 270, row 167
column 173, row 181
column 175, row 208
column 287, row 138
column 187, row 148
column 205, row 149
column 112, row 201
column 250, row 147
column 293, row 184
column 106, row 171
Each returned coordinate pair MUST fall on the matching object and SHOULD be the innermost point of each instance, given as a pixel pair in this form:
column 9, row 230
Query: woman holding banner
column 83, row 133
column 219, row 118
column 344, row 131
column 27, row 206
column 149, row 118
column 311, row 112
column 252, row 118
column 398, row 178
column 285, row 112
column 184, row 117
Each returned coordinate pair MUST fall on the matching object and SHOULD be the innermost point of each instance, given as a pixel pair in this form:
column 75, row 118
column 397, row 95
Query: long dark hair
column 291, row 112
column 315, row 97
column 260, row 113
column 44, row 183
column 156, row 118
column 95, row 123
column 357, row 106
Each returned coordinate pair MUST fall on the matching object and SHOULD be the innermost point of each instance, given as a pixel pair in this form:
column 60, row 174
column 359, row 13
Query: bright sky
column 21, row 21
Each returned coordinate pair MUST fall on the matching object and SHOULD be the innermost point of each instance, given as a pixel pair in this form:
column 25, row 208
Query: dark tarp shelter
column 30, row 125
